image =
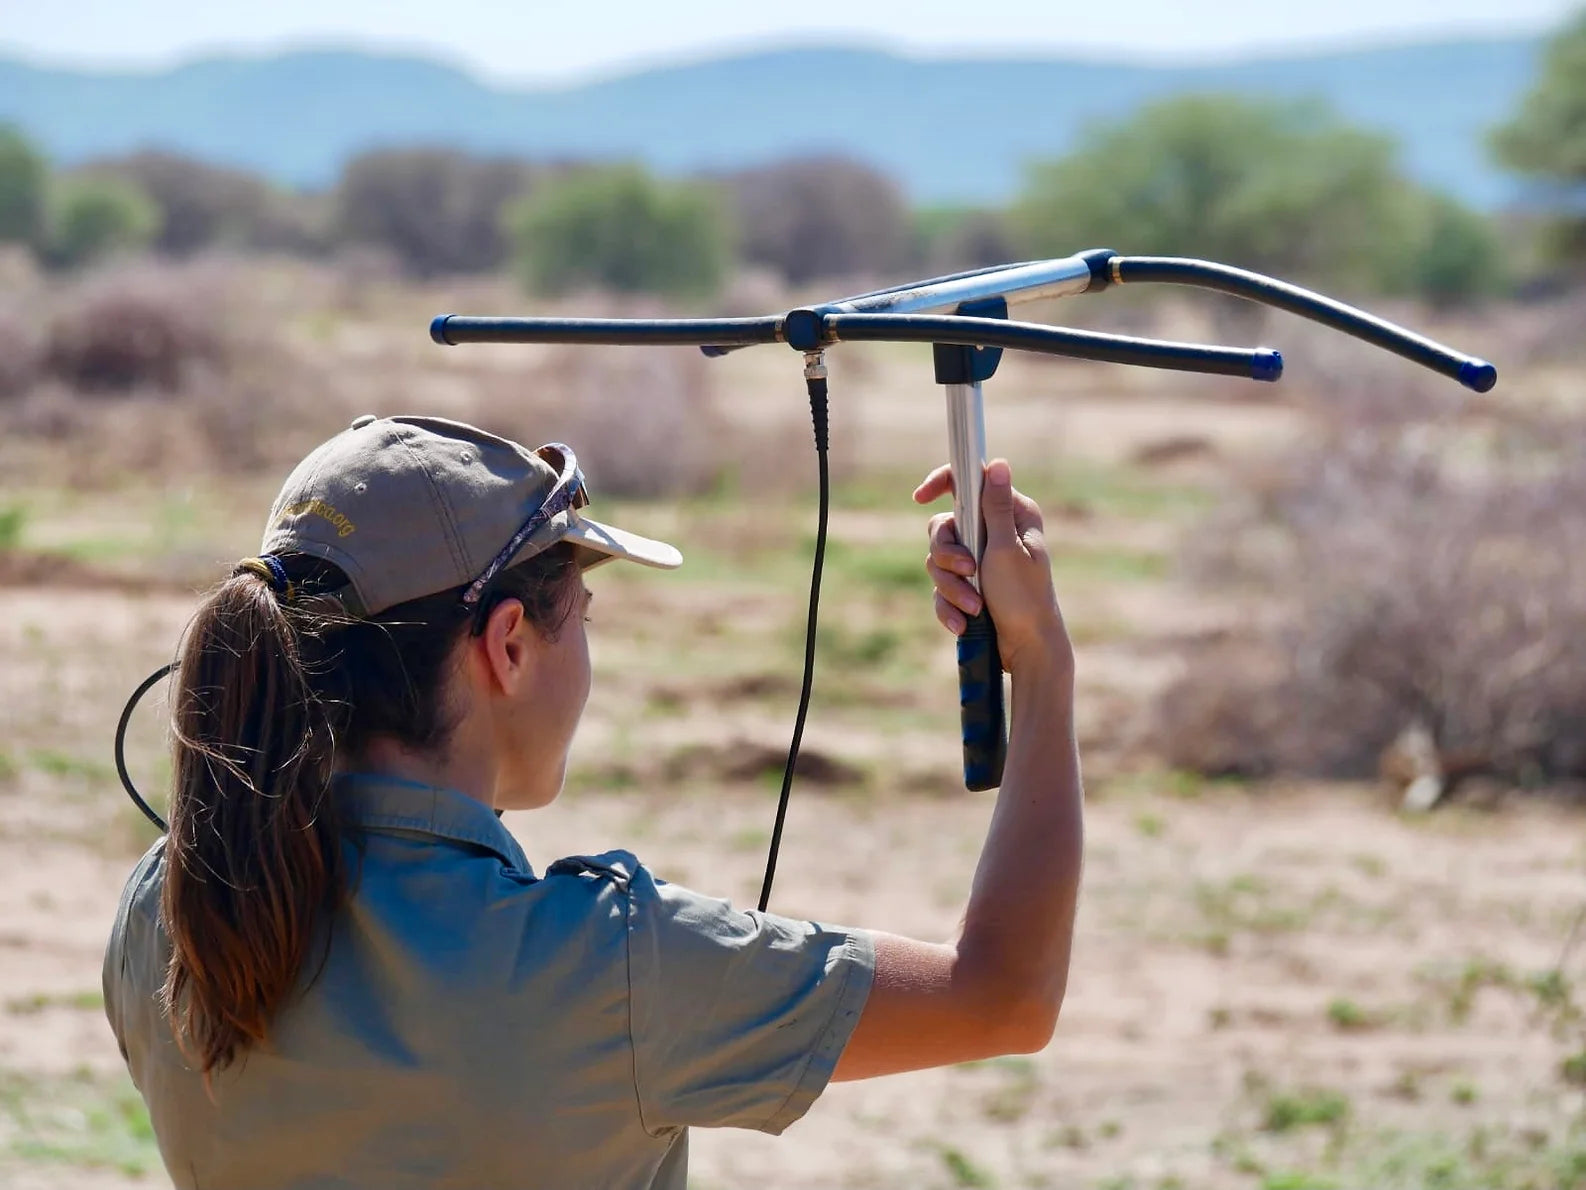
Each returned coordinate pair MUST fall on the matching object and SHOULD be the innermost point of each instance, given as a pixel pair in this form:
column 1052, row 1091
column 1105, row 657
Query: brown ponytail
column 268, row 694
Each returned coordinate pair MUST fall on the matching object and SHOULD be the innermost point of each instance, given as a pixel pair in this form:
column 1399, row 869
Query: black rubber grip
column 980, row 704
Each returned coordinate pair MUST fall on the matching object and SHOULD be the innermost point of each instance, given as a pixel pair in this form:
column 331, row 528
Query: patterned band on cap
column 569, row 492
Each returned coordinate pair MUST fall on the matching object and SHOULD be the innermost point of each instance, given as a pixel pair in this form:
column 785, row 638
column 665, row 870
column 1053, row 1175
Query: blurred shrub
column 24, row 179
column 204, row 206
column 1285, row 189
column 438, row 210
column 1546, row 139
column 812, row 217
column 1408, row 592
column 130, row 329
column 19, row 352
column 92, row 216
column 643, row 420
column 620, row 229
column 1457, row 257
column 951, row 239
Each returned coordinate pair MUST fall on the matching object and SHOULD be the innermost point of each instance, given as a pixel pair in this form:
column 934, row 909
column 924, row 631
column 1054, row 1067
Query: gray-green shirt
column 474, row 1025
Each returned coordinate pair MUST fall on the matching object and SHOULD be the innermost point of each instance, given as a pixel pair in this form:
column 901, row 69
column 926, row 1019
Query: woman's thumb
column 996, row 504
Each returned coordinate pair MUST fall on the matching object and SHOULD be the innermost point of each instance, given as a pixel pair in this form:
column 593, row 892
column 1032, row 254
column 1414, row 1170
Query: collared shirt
column 473, row 1025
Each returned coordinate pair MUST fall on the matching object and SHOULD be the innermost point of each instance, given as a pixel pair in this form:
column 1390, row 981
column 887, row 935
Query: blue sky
column 564, row 41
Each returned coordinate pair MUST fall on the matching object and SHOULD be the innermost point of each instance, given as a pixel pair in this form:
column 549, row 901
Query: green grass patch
column 67, row 766
column 1344, row 1013
column 1150, row 825
column 846, row 648
column 13, row 520
column 1107, row 564
column 1306, row 1108
column 87, row 1000
column 1246, row 904
column 963, row 1171
column 1117, row 490
column 894, row 565
column 82, row 1120
column 1293, row 1180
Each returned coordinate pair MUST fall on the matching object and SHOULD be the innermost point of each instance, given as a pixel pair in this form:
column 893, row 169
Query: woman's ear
column 505, row 647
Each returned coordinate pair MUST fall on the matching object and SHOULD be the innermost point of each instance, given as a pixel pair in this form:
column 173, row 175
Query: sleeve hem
column 859, row 965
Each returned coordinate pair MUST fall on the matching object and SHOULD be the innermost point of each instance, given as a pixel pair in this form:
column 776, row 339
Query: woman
column 338, row 968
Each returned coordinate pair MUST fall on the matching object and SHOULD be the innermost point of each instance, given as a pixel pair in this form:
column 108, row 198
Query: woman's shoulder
column 140, row 896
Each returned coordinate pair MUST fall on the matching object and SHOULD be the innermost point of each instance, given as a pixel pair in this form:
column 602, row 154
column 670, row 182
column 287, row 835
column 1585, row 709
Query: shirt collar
column 376, row 801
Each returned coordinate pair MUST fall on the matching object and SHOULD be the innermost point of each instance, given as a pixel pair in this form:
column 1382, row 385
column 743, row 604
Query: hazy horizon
column 564, row 47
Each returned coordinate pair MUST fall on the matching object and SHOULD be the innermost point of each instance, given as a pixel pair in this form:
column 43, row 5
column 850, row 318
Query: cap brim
column 606, row 542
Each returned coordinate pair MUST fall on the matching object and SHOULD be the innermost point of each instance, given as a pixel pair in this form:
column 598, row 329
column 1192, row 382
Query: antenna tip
column 438, row 329
column 1266, row 363
column 1478, row 375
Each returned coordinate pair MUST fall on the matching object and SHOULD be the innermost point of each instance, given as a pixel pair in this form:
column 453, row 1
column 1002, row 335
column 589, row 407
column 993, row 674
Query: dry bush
column 647, row 422
column 820, row 216
column 1547, row 330
column 133, row 328
column 161, row 368
column 1418, row 584
column 19, row 353
column 641, row 419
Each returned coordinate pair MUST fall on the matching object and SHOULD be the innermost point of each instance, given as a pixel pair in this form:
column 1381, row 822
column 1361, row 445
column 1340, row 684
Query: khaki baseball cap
column 408, row 506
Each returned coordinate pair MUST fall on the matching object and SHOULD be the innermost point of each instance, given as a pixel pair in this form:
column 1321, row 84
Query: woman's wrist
column 1046, row 663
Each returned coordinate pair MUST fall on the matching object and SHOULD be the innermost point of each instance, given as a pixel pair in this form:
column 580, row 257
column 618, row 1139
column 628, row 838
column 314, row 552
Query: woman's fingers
column 946, row 550
column 955, row 590
column 952, row 619
column 937, row 483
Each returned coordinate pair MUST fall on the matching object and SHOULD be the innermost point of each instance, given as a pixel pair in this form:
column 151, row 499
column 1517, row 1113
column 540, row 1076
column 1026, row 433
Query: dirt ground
column 1280, row 986
column 1238, row 950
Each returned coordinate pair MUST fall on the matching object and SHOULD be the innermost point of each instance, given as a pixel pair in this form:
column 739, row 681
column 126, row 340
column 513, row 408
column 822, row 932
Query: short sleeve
column 738, row 1017
column 114, row 971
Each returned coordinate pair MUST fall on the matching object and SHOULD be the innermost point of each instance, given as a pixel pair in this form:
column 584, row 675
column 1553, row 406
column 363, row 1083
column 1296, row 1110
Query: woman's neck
column 463, row 764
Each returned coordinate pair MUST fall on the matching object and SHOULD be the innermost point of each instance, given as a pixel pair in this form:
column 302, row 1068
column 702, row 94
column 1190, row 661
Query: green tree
column 24, row 178
column 1456, row 257
column 1546, row 139
column 620, row 229
column 93, row 216
column 1281, row 188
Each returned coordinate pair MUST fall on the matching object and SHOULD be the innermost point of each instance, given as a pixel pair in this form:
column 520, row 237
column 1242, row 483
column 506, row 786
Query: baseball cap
column 408, row 506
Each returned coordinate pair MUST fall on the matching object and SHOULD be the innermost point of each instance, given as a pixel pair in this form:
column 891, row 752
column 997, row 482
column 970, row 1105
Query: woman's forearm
column 1018, row 928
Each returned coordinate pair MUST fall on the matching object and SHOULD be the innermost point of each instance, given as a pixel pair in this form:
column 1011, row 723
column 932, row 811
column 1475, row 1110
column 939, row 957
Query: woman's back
column 471, row 1025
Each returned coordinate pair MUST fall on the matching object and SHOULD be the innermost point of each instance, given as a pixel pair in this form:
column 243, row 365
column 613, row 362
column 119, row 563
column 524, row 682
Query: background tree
column 438, row 210
column 1457, row 257
column 1284, row 189
column 1546, row 140
column 619, row 228
column 950, row 239
column 24, row 178
column 203, row 205
column 93, row 216
column 811, row 217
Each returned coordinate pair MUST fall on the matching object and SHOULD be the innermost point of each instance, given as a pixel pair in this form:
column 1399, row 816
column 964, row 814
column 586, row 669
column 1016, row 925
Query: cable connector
column 815, row 382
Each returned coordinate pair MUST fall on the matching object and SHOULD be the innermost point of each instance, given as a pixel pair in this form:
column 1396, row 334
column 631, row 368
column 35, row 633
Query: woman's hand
column 997, row 989
column 1015, row 571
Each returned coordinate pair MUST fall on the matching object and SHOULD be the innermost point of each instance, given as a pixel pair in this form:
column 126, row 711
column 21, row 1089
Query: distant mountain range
column 951, row 131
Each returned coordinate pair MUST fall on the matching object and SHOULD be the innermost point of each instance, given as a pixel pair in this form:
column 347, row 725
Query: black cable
column 818, row 413
column 121, row 745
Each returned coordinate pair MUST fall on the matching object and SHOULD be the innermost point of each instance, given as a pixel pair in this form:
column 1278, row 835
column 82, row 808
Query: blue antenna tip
column 1478, row 374
column 1266, row 363
column 438, row 329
